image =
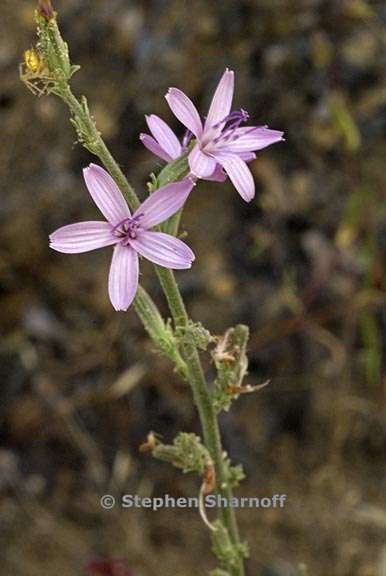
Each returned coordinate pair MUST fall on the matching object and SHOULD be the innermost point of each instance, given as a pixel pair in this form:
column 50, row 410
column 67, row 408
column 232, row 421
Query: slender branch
column 160, row 333
column 189, row 362
column 202, row 398
column 97, row 145
column 190, row 355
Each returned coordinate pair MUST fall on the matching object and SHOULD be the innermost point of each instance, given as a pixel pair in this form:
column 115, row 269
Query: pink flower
column 129, row 233
column 221, row 140
column 165, row 144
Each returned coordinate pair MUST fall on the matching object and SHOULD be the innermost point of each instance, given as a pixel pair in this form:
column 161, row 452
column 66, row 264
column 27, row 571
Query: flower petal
column 123, row 276
column 218, row 175
column 164, row 136
column 184, row 109
column 154, row 147
column 202, row 165
column 248, row 139
column 82, row 237
column 221, row 103
column 239, row 174
column 247, row 156
column 163, row 203
column 163, row 249
column 106, row 194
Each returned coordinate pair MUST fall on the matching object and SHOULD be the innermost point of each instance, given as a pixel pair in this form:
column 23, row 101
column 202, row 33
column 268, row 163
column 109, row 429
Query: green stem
column 190, row 355
column 92, row 140
column 96, row 144
column 203, row 401
column 157, row 330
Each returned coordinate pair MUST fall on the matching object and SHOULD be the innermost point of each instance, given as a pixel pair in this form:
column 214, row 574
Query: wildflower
column 129, row 233
column 165, row 144
column 221, row 139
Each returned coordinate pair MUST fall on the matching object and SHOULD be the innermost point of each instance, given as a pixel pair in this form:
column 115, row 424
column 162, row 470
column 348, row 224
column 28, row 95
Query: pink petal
column 239, row 175
column 154, row 147
column 82, row 237
column 221, row 103
column 246, row 139
column 163, row 249
column 163, row 203
column 123, row 277
column 218, row 175
column 202, row 165
column 164, row 136
column 246, row 156
column 184, row 109
column 106, row 194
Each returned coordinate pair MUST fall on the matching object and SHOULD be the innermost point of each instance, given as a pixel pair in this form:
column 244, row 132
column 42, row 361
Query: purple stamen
column 232, row 122
column 127, row 229
column 235, row 118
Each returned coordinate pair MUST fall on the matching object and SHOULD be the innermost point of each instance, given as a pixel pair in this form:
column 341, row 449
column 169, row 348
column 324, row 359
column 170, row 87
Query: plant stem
column 202, row 400
column 201, row 393
column 97, row 145
column 92, row 140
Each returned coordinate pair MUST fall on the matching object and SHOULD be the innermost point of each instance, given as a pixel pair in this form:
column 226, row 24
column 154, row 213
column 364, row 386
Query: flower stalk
column 202, row 396
column 182, row 351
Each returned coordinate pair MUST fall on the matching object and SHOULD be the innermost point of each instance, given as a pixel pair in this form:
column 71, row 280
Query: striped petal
column 239, row 174
column 247, row 139
column 164, row 136
column 184, row 109
column 202, row 165
column 221, row 103
column 154, row 147
column 163, row 249
column 82, row 237
column 123, row 277
column 106, row 194
column 163, row 203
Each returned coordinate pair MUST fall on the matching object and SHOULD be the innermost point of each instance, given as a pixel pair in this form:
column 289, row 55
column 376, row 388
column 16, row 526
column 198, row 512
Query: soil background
column 303, row 265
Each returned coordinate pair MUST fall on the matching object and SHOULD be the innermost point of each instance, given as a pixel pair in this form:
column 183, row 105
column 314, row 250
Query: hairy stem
column 190, row 363
column 202, row 398
column 190, row 355
column 96, row 144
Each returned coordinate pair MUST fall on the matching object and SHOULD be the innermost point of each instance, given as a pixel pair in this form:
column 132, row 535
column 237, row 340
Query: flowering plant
column 215, row 148
column 129, row 233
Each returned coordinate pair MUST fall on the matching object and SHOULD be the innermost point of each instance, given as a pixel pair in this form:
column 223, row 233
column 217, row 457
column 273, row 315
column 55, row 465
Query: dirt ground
column 304, row 265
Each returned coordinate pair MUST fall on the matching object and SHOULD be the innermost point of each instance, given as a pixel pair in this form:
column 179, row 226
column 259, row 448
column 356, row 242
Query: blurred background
column 303, row 265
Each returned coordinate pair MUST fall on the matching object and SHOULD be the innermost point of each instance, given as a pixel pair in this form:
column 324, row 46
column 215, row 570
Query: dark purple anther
column 234, row 118
column 232, row 122
column 127, row 229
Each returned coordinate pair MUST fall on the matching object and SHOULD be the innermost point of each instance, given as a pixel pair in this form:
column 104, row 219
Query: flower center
column 227, row 127
column 127, row 229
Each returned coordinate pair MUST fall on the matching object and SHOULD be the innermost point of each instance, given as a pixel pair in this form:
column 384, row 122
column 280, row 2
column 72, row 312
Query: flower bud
column 46, row 10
